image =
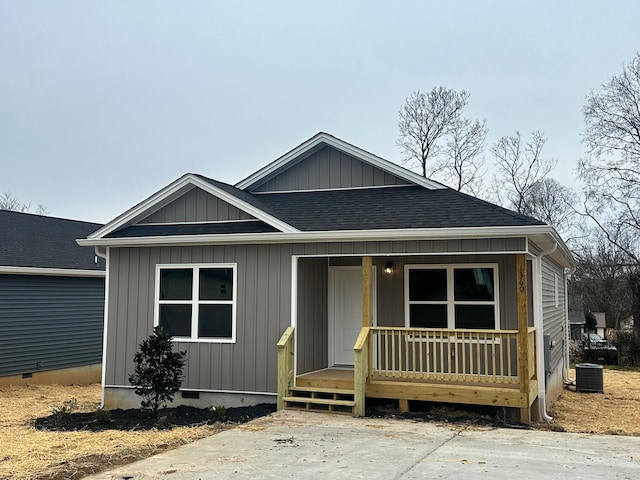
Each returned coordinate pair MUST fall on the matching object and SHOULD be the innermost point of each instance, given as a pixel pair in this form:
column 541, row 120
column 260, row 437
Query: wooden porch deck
column 463, row 392
column 474, row 367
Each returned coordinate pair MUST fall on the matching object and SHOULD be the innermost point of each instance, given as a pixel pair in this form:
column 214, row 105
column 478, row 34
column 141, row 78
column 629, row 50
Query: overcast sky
column 104, row 103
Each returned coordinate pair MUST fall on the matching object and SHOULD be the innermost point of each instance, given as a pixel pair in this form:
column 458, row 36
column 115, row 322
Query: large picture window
column 197, row 302
column 451, row 296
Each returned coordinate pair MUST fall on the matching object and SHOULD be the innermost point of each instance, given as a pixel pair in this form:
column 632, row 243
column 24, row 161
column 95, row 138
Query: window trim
column 195, row 302
column 451, row 302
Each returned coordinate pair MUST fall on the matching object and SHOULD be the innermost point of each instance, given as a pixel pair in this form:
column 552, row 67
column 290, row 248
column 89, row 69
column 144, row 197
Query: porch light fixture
column 388, row 268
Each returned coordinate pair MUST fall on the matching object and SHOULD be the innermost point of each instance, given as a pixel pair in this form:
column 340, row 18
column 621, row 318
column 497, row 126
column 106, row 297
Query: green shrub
column 217, row 413
column 158, row 372
column 67, row 407
column 102, row 416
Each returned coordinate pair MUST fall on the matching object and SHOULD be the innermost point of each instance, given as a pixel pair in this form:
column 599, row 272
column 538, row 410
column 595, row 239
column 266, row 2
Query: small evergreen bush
column 158, row 372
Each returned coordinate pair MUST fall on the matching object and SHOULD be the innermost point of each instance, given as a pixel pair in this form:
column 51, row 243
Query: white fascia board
column 349, row 149
column 326, row 236
column 242, row 205
column 175, row 189
column 53, row 272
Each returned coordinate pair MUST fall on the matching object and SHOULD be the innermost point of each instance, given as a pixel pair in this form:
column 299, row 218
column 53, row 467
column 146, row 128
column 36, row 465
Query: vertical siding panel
column 356, row 173
column 346, row 180
column 121, row 326
column 334, row 167
column 249, row 343
column 367, row 174
column 322, row 158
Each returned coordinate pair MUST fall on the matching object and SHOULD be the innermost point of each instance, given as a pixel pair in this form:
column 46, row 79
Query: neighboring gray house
column 576, row 316
column 51, row 301
column 330, row 276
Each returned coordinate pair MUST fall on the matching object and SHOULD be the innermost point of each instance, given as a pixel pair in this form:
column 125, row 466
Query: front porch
column 479, row 366
column 475, row 367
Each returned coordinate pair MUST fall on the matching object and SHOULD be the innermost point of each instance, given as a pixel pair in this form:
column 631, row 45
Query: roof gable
column 182, row 186
column 196, row 205
column 312, row 166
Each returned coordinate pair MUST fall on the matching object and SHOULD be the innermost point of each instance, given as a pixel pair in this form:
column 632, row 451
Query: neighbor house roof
column 31, row 242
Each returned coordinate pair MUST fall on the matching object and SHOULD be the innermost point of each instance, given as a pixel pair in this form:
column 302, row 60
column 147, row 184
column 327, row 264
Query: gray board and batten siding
column 264, row 274
column 328, row 168
column 196, row 206
column 49, row 323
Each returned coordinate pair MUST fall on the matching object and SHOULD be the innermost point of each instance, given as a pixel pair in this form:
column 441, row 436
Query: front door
column 345, row 312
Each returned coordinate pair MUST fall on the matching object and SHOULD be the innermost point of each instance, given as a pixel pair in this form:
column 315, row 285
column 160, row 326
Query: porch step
column 332, row 400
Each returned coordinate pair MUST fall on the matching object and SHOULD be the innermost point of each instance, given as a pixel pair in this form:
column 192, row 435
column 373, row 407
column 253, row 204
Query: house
column 601, row 324
column 331, row 276
column 576, row 316
column 51, row 301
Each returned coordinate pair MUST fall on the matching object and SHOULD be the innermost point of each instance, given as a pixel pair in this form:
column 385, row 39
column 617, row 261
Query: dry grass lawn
column 616, row 412
column 27, row 453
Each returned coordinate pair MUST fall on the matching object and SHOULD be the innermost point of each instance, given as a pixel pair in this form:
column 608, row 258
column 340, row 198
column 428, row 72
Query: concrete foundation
column 125, row 397
column 65, row 376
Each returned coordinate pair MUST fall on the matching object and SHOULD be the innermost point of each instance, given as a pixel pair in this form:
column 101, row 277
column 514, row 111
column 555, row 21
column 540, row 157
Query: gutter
column 538, row 322
column 324, row 236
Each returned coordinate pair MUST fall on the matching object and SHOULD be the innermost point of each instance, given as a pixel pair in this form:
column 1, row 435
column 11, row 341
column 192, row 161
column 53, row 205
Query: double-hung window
column 451, row 296
column 197, row 302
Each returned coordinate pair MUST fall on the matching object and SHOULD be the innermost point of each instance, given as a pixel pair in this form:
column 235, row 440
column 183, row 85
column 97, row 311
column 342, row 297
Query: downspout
column 567, row 328
column 538, row 322
column 105, row 323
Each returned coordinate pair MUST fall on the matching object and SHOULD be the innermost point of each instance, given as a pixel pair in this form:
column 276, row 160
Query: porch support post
column 523, row 330
column 366, row 291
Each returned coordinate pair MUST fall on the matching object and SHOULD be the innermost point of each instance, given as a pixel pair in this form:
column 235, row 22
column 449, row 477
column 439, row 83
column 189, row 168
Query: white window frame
column 451, row 302
column 195, row 302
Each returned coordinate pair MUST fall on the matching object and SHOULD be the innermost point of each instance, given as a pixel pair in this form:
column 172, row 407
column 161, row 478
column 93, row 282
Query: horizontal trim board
column 198, row 223
column 329, row 236
column 52, row 272
column 205, row 390
column 332, row 189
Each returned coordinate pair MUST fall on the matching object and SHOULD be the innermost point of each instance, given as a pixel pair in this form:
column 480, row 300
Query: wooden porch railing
column 286, row 357
column 361, row 370
column 447, row 355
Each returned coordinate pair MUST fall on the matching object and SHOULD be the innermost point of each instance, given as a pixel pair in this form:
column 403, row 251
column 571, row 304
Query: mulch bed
column 141, row 420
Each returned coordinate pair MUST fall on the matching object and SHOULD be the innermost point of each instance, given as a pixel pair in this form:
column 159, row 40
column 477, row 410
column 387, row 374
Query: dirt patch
column 615, row 412
column 37, row 444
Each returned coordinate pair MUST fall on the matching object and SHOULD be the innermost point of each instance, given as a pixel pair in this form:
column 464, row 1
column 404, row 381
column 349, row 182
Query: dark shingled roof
column 389, row 208
column 151, row 230
column 28, row 240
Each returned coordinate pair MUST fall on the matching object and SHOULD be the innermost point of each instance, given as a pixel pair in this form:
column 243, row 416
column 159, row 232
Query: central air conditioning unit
column 589, row 378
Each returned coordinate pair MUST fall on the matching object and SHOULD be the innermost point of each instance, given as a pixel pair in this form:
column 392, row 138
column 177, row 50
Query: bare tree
column 519, row 168
column 9, row 202
column 462, row 164
column 611, row 172
column 601, row 278
column 552, row 203
column 424, row 119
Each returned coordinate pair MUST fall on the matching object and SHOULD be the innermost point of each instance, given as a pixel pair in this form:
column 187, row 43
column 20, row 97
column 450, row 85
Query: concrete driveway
column 291, row 444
